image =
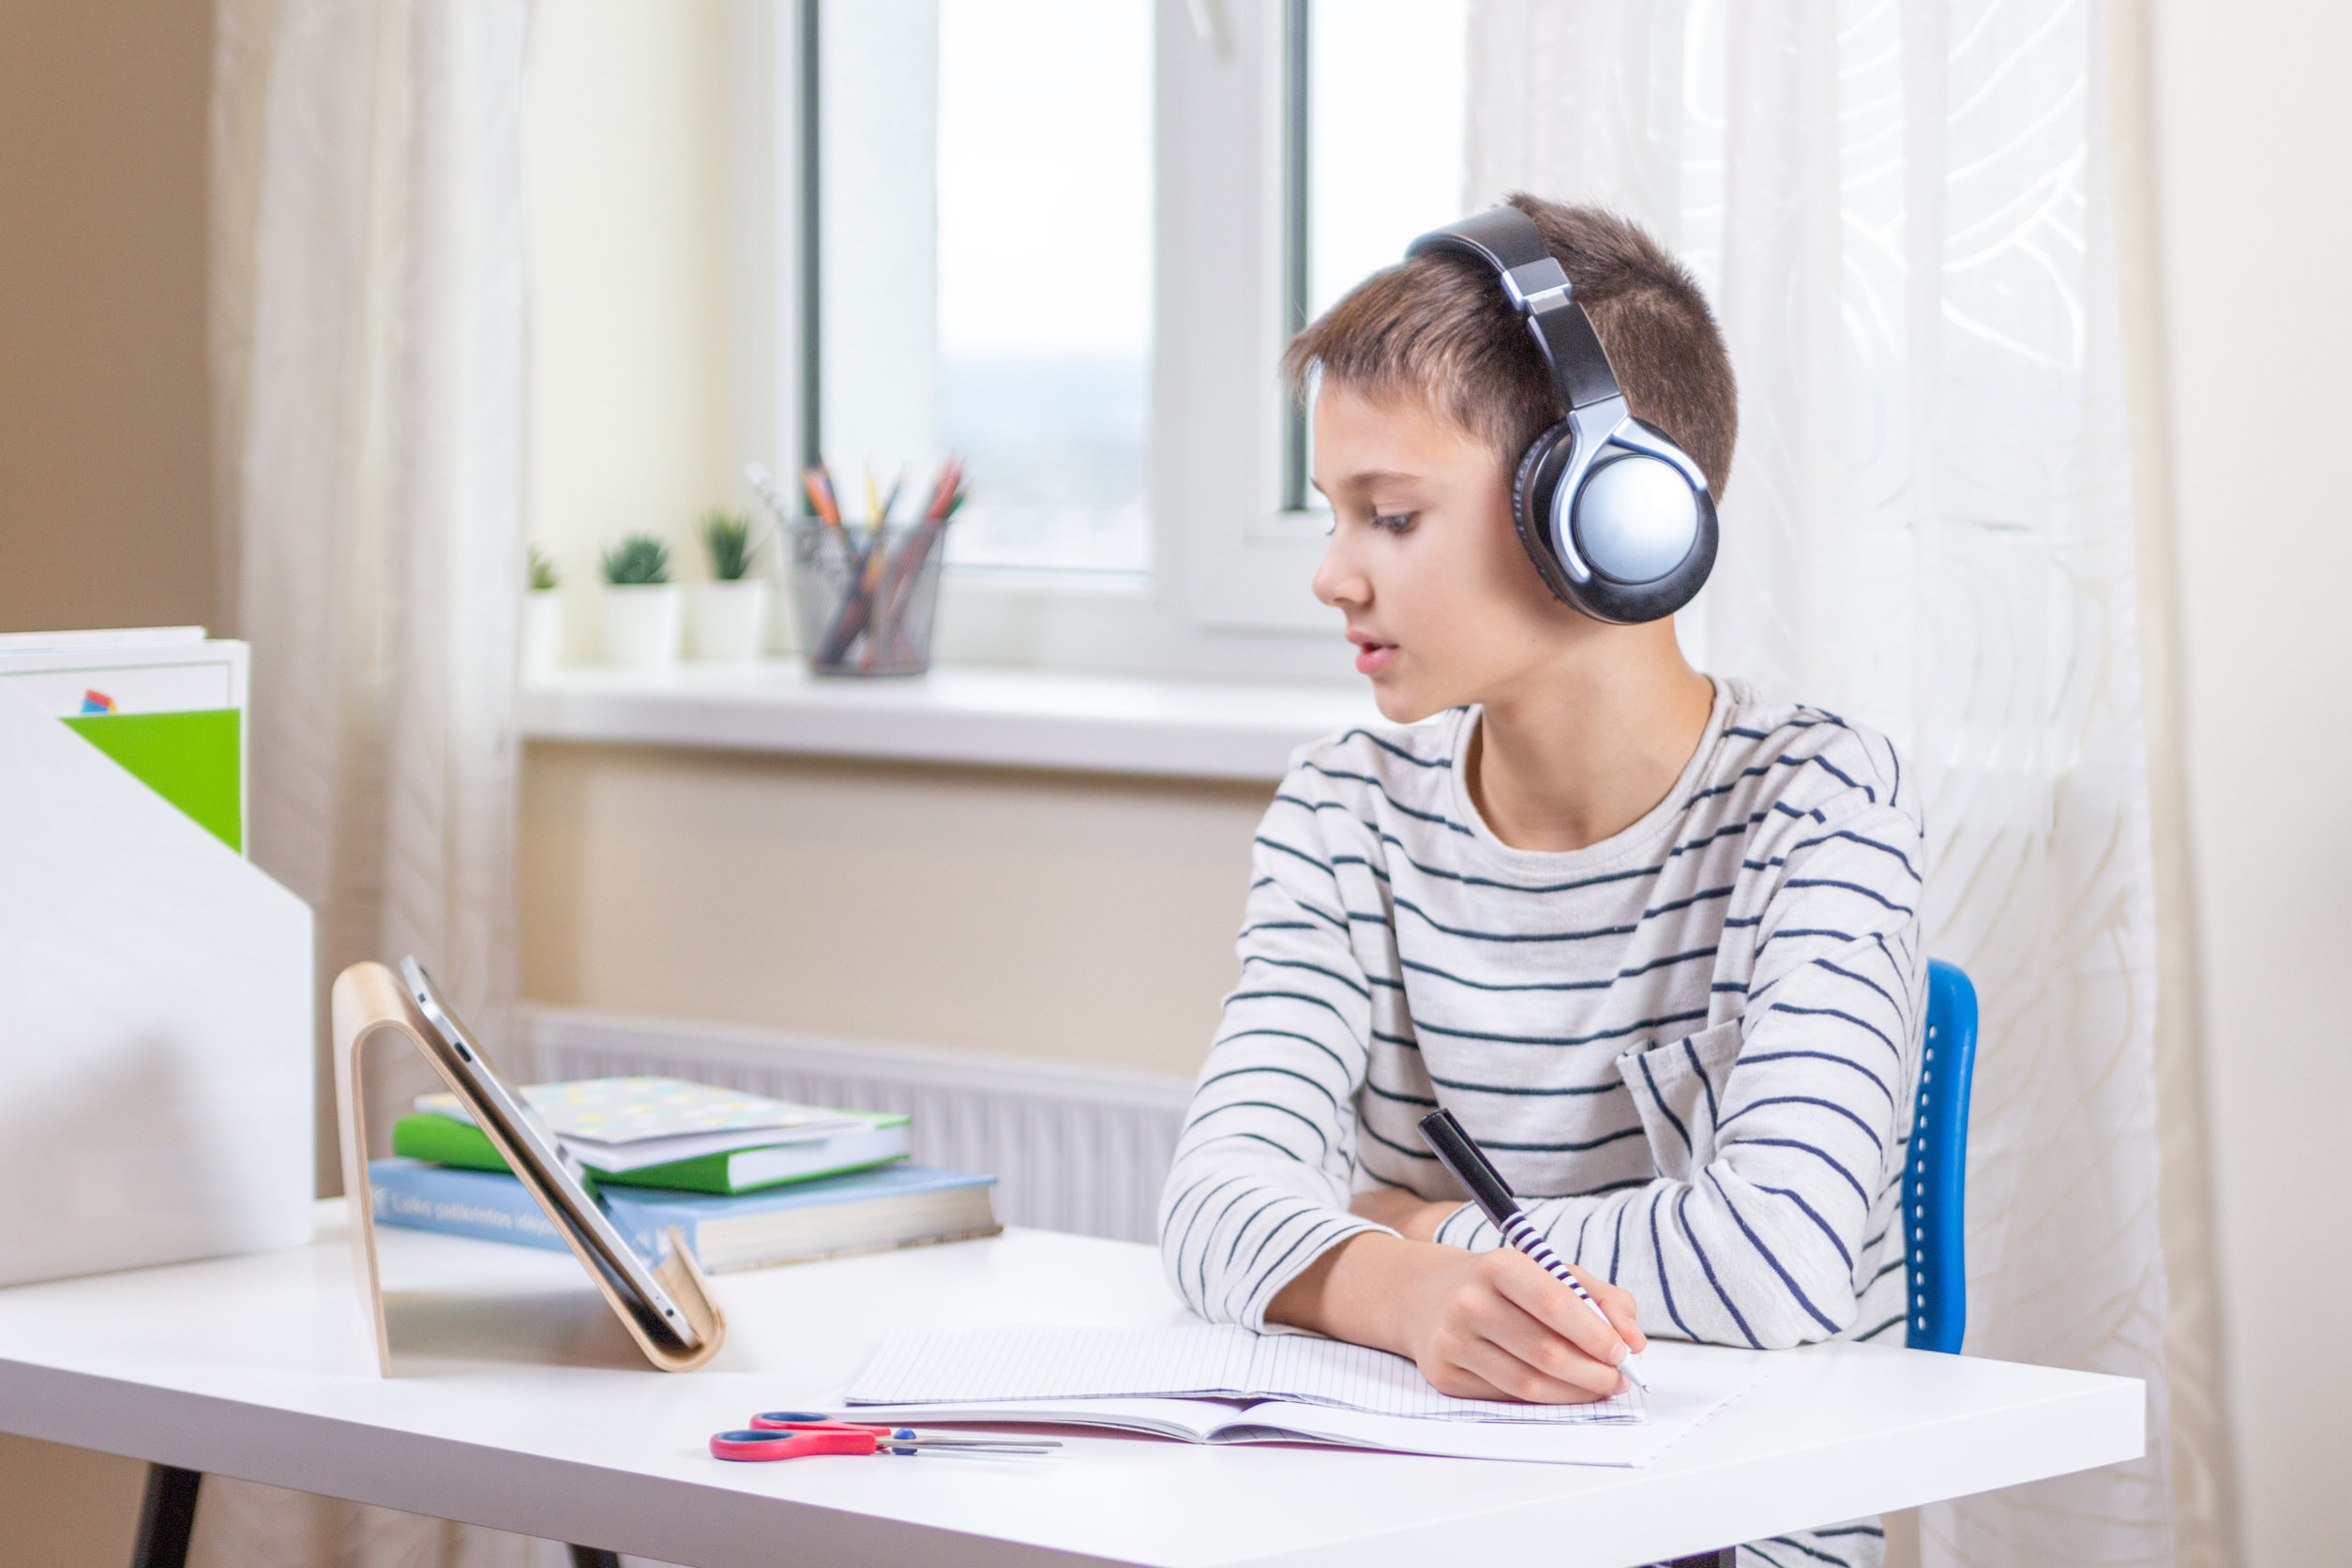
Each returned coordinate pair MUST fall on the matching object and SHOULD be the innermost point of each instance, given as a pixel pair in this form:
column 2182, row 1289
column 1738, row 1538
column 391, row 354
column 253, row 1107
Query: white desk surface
column 518, row 1404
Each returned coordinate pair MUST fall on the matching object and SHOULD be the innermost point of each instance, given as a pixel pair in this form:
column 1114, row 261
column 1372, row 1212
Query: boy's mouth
column 1372, row 654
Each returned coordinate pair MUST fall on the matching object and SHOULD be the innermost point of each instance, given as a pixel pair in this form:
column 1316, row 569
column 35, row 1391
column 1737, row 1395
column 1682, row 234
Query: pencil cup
column 865, row 603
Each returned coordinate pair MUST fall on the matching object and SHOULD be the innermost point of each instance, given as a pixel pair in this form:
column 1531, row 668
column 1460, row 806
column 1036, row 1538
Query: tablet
column 542, row 1162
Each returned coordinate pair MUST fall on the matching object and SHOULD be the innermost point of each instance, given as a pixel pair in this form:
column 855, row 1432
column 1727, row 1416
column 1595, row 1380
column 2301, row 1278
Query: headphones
column 1615, row 516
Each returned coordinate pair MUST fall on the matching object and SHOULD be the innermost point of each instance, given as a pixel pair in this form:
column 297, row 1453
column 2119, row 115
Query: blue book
column 863, row 1210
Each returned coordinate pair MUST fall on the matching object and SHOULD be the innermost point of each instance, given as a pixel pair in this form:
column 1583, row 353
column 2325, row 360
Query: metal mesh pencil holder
column 866, row 596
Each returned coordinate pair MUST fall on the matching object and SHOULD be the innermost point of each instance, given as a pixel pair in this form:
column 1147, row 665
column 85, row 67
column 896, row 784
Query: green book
column 443, row 1141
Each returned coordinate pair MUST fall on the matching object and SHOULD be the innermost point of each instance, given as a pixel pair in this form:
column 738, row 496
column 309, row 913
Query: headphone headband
column 1508, row 240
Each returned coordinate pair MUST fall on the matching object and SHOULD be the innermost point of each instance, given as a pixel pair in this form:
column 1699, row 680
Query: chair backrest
column 1934, row 1177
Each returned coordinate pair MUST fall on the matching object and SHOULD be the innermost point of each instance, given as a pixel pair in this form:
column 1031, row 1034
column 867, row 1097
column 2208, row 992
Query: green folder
column 191, row 759
column 445, row 1140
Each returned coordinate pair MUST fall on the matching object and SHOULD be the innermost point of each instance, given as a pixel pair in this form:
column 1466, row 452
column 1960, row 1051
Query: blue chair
column 1935, row 1207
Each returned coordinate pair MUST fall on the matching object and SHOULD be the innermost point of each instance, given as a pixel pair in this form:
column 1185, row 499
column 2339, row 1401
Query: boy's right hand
column 1480, row 1325
column 1494, row 1325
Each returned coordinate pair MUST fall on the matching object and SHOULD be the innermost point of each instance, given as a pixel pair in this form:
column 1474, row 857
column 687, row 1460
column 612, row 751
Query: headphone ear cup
column 1532, row 490
column 1629, row 604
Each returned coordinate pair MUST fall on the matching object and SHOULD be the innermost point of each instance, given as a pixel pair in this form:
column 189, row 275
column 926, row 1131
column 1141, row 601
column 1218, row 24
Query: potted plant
column 542, row 616
column 641, row 607
column 730, row 611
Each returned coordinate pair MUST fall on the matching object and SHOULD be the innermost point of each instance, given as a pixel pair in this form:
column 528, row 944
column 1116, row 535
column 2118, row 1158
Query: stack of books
column 750, row 1181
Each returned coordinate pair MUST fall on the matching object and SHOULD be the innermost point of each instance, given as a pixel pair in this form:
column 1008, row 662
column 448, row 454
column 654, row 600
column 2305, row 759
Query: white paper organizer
column 155, row 1021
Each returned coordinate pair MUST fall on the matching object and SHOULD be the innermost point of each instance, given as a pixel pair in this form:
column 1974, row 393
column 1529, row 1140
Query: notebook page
column 1356, row 1377
column 1022, row 1362
column 1211, row 1360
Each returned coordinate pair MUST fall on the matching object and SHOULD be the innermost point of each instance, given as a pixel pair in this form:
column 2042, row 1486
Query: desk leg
column 595, row 1557
column 167, row 1518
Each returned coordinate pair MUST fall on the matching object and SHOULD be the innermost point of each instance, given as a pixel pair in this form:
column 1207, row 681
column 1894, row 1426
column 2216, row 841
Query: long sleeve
column 1777, row 1133
column 1262, row 1172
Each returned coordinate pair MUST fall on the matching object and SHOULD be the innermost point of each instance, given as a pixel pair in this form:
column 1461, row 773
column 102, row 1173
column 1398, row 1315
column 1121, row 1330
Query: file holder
column 369, row 1004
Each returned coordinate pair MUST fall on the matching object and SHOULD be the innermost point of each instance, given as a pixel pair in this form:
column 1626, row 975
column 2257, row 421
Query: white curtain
column 1901, row 211
column 367, row 339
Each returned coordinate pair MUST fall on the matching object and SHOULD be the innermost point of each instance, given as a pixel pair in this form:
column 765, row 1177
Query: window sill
column 969, row 714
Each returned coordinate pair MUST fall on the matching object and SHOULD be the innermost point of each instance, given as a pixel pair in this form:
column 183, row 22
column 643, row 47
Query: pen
column 1471, row 1167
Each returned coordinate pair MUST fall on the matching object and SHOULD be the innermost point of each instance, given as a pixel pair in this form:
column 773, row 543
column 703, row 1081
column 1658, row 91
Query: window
column 1067, row 239
column 1374, row 155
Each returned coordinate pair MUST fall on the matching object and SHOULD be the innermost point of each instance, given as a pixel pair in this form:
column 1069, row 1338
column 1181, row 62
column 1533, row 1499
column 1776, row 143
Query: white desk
column 259, row 1367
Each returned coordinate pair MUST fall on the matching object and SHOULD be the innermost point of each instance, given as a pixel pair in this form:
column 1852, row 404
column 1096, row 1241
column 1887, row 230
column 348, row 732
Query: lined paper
column 1198, row 1360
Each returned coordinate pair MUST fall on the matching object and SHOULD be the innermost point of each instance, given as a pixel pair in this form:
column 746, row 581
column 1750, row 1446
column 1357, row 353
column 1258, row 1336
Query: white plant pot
column 640, row 625
column 542, row 630
column 730, row 620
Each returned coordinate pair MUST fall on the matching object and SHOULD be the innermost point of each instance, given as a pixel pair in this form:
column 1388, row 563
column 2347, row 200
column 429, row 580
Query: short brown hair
column 1438, row 329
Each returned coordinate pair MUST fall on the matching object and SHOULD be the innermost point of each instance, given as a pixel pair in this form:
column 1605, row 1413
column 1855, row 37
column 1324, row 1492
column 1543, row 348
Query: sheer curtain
column 1902, row 213
column 368, row 343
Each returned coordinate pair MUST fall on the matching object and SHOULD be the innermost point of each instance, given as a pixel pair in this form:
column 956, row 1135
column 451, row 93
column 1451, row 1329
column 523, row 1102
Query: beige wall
column 1037, row 914
column 2253, row 121
column 105, row 470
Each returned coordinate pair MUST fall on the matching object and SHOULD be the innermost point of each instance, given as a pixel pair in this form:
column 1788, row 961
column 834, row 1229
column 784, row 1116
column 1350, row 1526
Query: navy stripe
column 1612, row 1087
column 1837, row 1013
column 1827, row 1229
column 1379, row 789
column 1400, row 1099
column 1766, row 1253
column 1707, row 1267
column 1394, row 751
column 1617, row 1034
column 1297, row 854
column 1849, row 887
column 1807, row 1100
column 1664, row 1110
column 1622, row 1134
column 1363, row 991
column 1821, row 1155
column 1286, row 1034
column 1374, row 1134
column 1817, row 1055
column 1268, row 1068
column 1714, row 1112
column 1657, row 1250
column 1409, row 907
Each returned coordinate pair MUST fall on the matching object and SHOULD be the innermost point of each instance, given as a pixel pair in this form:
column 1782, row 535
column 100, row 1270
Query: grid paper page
column 1201, row 1360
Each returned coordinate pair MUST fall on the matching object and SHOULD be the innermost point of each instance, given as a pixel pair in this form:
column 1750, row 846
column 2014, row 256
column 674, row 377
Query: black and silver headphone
column 1616, row 516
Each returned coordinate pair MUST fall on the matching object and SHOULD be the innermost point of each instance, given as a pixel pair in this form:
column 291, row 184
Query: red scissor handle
column 770, row 1444
column 801, row 1421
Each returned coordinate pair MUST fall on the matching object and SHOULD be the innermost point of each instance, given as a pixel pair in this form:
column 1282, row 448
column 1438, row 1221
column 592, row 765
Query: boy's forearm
column 1360, row 1291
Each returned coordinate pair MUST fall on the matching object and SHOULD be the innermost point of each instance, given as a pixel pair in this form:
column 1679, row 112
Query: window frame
column 1229, row 593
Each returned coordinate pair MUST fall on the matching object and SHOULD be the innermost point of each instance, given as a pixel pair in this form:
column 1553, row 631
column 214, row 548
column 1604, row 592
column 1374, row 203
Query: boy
column 1652, row 938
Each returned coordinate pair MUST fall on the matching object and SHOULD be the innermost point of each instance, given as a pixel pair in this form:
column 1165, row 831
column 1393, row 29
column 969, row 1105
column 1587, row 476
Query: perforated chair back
column 1934, row 1178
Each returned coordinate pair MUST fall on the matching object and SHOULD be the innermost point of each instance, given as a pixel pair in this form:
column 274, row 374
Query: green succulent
column 542, row 571
column 728, row 538
column 637, row 560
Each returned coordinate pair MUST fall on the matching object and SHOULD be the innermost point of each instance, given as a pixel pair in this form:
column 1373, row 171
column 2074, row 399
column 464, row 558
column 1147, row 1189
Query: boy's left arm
column 1779, row 1133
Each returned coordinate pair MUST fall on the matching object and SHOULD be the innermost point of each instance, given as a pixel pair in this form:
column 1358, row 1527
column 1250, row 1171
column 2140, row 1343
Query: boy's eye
column 1396, row 523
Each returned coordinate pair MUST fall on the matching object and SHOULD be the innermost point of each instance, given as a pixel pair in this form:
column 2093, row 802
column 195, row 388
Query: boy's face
column 1442, row 601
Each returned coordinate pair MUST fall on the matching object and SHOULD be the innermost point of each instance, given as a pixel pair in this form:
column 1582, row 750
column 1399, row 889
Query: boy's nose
column 1337, row 580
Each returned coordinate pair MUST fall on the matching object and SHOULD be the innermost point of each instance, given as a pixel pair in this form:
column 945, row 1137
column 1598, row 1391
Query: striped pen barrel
column 1460, row 1155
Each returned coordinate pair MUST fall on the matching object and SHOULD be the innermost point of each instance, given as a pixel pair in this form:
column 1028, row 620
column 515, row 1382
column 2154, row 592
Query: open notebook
column 1218, row 1383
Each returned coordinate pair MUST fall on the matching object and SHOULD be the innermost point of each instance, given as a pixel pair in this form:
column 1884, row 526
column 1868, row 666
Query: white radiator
column 1072, row 1147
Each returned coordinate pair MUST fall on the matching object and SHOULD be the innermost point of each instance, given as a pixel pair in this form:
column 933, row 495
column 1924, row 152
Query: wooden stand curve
column 369, row 1004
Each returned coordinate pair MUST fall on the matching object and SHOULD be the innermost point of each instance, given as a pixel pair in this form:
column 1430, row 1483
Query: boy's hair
column 1439, row 329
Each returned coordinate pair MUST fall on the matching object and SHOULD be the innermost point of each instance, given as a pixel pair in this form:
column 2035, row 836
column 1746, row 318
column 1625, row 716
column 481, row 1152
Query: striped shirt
column 1691, row 1047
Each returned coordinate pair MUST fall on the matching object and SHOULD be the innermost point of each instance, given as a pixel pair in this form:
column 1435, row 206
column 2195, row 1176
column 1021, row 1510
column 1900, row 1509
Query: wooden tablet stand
column 369, row 1002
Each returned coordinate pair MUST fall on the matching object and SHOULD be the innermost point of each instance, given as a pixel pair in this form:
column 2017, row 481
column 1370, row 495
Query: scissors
column 801, row 1434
